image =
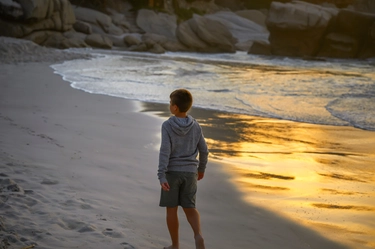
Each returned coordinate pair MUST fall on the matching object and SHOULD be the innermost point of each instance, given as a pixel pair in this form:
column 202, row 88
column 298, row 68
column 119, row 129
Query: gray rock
column 59, row 11
column 37, row 9
column 117, row 40
column 253, row 15
column 82, row 27
column 157, row 49
column 339, row 46
column 213, row 33
column 60, row 19
column 260, row 48
column 98, row 41
column 297, row 28
column 151, row 39
column 139, row 48
column 93, row 17
column 244, row 30
column 188, row 37
column 119, row 20
column 131, row 40
column 157, row 23
column 114, row 30
column 57, row 39
column 174, row 46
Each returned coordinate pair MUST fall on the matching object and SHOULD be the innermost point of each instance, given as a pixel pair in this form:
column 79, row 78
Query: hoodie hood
column 180, row 127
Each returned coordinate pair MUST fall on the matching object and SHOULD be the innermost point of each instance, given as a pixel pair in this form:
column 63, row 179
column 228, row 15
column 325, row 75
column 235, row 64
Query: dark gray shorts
column 183, row 189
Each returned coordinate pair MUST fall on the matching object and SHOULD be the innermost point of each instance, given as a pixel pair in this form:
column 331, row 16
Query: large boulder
column 347, row 39
column 157, row 23
column 98, row 41
column 189, row 38
column 244, row 30
column 206, row 35
column 120, row 20
column 253, row 15
column 82, row 27
column 131, row 40
column 260, row 48
column 54, row 15
column 297, row 28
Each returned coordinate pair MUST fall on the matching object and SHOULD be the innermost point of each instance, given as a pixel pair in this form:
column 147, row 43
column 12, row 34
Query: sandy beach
column 78, row 170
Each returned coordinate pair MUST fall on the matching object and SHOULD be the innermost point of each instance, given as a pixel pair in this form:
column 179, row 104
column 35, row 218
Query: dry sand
column 79, row 171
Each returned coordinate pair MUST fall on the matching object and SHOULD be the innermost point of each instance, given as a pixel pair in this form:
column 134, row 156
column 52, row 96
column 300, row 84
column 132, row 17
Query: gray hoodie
column 181, row 141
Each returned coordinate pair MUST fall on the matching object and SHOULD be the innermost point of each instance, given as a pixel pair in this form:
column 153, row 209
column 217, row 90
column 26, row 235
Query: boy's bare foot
column 199, row 242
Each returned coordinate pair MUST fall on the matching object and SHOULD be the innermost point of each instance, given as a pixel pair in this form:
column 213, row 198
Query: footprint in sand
column 49, row 182
column 127, row 245
column 110, row 233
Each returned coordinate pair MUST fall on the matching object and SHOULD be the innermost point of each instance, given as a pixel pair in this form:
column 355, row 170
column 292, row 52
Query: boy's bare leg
column 172, row 223
column 193, row 218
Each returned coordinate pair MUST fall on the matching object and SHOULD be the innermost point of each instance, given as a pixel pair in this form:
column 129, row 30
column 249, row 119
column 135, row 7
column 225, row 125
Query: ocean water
column 335, row 92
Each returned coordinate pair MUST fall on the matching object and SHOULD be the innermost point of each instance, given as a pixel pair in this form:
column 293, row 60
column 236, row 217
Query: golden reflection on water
column 321, row 176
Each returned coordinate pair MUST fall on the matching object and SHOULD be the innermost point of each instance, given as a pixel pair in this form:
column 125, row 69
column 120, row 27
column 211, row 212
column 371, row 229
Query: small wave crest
column 358, row 110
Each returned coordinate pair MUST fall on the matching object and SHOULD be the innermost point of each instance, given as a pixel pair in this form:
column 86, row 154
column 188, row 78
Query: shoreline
column 86, row 166
column 314, row 112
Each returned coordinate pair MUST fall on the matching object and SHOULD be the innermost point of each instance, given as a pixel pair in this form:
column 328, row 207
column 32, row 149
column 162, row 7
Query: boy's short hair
column 182, row 98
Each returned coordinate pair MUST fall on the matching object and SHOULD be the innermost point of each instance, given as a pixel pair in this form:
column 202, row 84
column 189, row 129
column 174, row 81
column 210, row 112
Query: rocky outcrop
column 32, row 15
column 306, row 30
column 101, row 23
column 289, row 29
column 297, row 28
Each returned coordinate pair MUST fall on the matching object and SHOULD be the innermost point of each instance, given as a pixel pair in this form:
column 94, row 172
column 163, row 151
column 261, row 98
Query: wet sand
column 79, row 171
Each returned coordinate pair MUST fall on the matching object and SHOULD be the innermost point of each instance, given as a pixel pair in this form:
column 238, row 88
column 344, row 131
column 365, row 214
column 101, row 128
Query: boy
column 181, row 141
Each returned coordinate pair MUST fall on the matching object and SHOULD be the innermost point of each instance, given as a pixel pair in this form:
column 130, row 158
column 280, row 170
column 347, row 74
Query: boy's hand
column 165, row 186
column 200, row 175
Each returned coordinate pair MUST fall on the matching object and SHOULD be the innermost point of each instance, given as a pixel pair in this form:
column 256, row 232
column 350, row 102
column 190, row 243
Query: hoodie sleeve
column 164, row 154
column 203, row 153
